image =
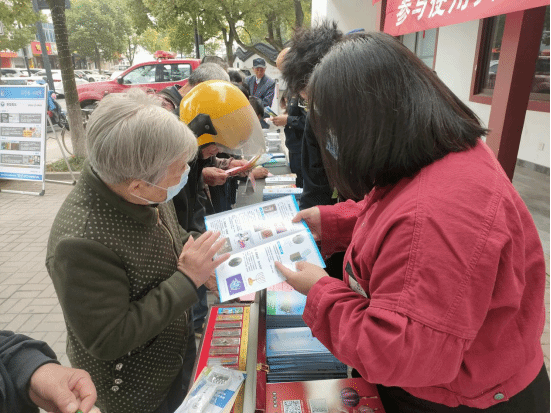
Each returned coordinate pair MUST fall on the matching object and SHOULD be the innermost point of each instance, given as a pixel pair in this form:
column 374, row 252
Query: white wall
column 454, row 64
column 349, row 14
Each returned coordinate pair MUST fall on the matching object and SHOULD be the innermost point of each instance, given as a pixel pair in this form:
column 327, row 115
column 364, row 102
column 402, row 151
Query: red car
column 151, row 76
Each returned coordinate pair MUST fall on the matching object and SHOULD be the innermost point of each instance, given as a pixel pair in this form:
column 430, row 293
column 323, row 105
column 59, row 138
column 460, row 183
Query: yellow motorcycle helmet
column 218, row 112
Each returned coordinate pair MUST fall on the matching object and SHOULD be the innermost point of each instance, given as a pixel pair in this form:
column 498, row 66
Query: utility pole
column 25, row 56
column 197, row 52
column 45, row 57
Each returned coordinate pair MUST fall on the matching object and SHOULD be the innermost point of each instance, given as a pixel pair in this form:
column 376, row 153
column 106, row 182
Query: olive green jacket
column 126, row 306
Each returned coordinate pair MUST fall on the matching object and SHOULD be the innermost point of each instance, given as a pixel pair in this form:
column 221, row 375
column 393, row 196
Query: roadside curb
column 62, row 176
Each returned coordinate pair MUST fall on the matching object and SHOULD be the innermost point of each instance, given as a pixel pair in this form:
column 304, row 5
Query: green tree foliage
column 245, row 22
column 98, row 29
column 152, row 40
column 19, row 20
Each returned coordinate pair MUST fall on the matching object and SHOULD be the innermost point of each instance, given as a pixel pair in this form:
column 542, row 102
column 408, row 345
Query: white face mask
column 171, row 191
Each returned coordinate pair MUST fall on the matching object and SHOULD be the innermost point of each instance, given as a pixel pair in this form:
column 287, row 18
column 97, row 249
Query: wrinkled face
column 259, row 72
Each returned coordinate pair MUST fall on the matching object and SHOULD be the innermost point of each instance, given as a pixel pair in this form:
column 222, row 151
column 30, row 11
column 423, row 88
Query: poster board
column 23, row 132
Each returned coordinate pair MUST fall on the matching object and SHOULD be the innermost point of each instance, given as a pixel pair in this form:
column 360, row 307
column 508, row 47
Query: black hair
column 257, row 105
column 308, row 46
column 235, row 76
column 216, row 59
column 380, row 114
column 242, row 88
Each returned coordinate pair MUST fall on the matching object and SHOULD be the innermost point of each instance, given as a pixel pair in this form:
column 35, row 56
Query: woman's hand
column 304, row 278
column 214, row 176
column 196, row 259
column 280, row 120
column 62, row 389
column 260, row 172
column 312, row 217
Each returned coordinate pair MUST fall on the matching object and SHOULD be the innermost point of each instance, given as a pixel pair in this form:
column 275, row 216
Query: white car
column 58, row 84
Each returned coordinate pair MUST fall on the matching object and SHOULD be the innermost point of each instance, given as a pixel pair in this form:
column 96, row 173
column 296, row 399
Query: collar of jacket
column 144, row 214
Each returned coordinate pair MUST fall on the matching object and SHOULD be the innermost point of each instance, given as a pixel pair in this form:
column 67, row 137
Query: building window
column 487, row 66
column 423, row 44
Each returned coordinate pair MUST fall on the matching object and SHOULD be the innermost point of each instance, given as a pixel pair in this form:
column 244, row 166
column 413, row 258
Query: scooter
column 55, row 113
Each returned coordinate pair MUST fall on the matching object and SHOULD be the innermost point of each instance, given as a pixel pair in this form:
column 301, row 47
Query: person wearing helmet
column 222, row 119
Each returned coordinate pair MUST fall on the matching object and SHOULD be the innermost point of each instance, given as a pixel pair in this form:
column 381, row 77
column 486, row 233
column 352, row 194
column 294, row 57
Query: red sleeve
column 384, row 346
column 337, row 225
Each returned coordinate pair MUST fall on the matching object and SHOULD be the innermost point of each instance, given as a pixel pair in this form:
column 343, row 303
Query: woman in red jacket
column 442, row 302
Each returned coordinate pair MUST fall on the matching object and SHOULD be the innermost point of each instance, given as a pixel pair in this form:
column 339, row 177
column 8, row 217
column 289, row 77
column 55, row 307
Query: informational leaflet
column 257, row 236
column 22, row 132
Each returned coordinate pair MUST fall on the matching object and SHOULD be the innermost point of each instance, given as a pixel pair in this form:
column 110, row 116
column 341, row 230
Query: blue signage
column 27, row 92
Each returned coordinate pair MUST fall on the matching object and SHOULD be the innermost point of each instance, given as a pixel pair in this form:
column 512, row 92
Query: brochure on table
column 22, row 132
column 256, row 236
column 343, row 396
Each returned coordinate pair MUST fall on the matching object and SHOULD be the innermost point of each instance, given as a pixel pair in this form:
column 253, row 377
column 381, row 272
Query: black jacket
column 20, row 357
column 294, row 129
column 316, row 187
column 191, row 201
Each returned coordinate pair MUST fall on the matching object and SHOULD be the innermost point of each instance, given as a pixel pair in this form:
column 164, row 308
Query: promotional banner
column 22, row 132
column 408, row 16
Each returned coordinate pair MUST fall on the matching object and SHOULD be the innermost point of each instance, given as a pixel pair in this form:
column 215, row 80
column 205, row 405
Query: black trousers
column 533, row 399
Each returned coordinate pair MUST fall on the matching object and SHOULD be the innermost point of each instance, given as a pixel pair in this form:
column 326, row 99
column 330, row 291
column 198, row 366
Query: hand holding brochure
column 254, row 161
column 257, row 236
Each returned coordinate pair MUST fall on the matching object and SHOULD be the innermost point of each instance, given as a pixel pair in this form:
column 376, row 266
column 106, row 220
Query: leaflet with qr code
column 318, row 406
column 292, row 406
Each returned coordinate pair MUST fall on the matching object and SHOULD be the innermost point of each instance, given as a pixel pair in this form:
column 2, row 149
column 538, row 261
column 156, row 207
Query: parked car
column 58, row 84
column 95, row 76
column 13, row 72
column 150, row 76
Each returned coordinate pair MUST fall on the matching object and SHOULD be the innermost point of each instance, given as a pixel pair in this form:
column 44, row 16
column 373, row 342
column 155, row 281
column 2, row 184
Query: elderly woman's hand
column 196, row 260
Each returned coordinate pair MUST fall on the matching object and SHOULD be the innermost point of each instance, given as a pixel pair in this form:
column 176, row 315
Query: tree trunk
column 299, row 14
column 57, row 8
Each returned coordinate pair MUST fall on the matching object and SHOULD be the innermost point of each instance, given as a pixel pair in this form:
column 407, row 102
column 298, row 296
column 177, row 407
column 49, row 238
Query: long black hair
column 380, row 114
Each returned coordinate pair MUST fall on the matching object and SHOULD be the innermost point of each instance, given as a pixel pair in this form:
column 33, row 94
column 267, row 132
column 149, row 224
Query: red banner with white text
column 408, row 16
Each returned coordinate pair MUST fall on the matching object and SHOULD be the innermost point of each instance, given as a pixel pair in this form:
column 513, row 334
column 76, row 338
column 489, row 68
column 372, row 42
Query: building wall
column 350, row 14
column 454, row 65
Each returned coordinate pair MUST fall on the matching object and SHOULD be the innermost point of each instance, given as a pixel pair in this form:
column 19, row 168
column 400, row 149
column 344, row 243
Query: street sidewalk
column 28, row 302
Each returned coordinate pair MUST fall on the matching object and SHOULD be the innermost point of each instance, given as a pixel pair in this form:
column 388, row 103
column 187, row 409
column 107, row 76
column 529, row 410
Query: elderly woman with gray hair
column 126, row 274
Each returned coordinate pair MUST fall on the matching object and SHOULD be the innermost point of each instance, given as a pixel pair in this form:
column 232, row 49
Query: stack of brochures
column 284, row 309
column 277, row 159
column 294, row 354
column 284, row 179
column 277, row 191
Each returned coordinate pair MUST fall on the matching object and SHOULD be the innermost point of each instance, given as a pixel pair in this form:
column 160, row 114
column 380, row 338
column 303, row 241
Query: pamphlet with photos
column 256, row 237
column 323, row 396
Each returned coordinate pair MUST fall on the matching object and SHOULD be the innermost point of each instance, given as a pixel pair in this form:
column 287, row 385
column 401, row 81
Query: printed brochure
column 342, row 396
column 256, row 236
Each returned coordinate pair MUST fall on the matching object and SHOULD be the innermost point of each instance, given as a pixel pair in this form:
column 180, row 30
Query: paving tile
column 17, row 322
column 33, row 287
column 25, row 294
column 16, row 305
column 32, row 322
column 51, row 326
column 52, row 336
column 38, row 309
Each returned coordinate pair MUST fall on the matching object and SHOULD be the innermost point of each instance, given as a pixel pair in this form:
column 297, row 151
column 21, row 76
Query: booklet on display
column 256, row 237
